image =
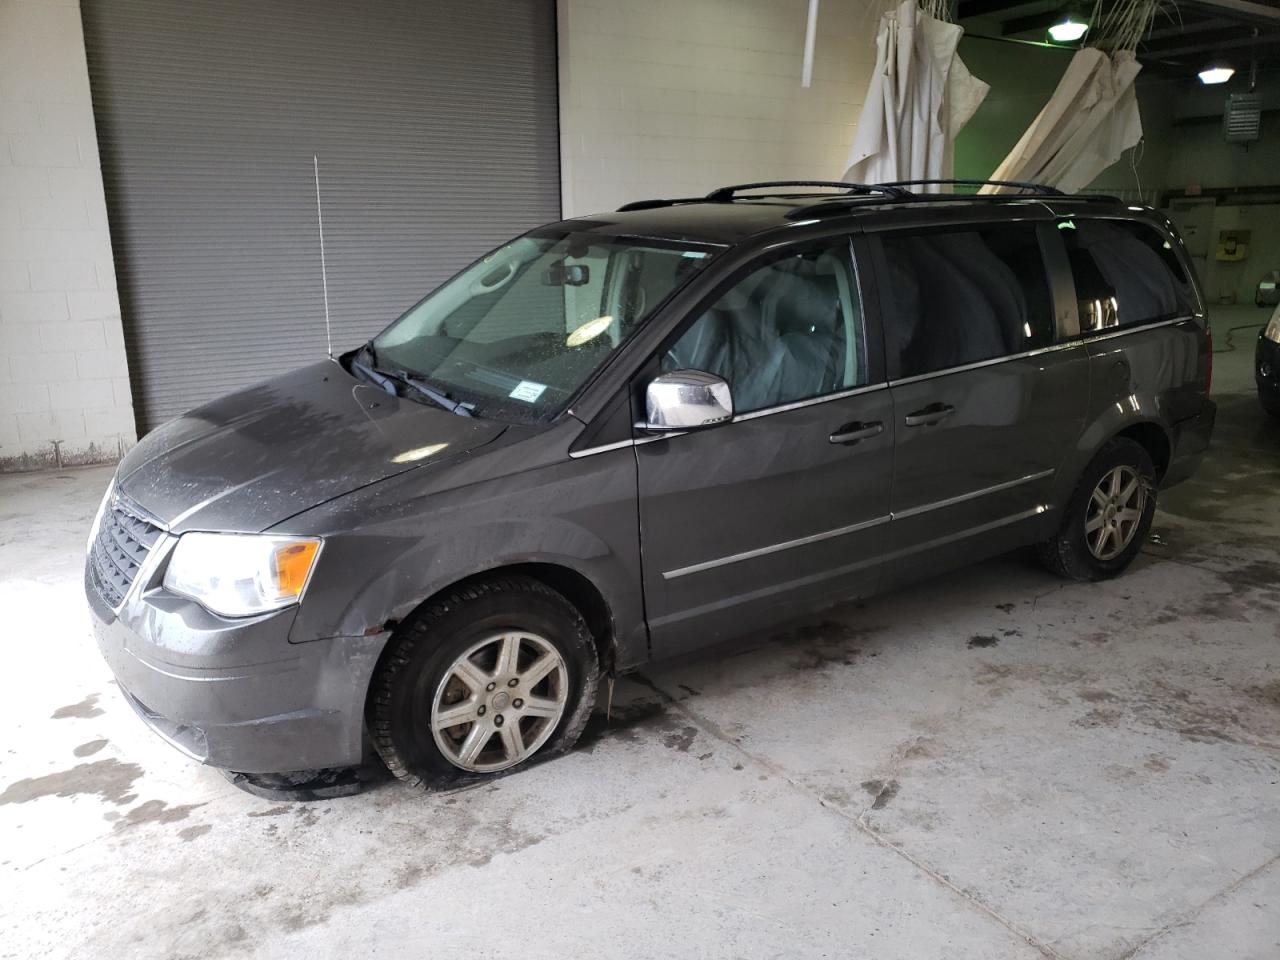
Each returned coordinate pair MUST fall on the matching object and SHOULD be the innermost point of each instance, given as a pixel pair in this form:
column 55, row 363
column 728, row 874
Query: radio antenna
column 324, row 273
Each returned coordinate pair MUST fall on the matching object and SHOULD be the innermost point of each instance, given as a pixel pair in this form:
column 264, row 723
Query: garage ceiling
column 1181, row 40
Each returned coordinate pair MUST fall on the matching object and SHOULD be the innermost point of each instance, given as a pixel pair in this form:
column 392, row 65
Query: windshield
column 518, row 332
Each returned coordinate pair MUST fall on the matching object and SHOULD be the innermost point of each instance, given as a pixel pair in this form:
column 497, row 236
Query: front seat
column 806, row 357
column 727, row 340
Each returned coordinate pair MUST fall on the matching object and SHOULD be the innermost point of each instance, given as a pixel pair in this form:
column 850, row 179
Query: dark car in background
column 629, row 436
column 1266, row 365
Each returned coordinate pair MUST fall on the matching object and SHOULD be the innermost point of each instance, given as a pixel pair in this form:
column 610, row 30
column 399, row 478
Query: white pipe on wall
column 810, row 34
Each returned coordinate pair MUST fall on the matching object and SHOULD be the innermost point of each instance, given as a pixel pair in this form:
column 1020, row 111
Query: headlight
column 97, row 517
column 238, row 575
column 1272, row 332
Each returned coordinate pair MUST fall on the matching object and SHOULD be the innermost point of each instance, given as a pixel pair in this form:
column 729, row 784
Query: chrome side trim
column 978, row 365
column 812, row 401
column 1094, row 338
column 767, row 411
column 774, row 548
column 972, row 495
column 1052, row 348
column 1035, row 511
column 603, row 448
column 868, row 524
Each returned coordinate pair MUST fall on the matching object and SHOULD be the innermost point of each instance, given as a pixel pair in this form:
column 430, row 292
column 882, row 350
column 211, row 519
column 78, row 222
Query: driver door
column 783, row 509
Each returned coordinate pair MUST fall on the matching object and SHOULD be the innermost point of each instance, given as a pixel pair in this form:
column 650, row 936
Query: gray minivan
column 628, row 436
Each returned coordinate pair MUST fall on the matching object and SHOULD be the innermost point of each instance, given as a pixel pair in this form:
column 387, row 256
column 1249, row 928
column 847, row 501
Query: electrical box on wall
column 1242, row 119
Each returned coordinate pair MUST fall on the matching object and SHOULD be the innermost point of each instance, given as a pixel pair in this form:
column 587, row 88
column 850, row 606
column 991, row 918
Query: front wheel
column 1108, row 516
column 481, row 682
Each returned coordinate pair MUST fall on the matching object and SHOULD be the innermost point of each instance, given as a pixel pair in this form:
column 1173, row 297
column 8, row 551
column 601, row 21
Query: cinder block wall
column 64, row 381
column 675, row 97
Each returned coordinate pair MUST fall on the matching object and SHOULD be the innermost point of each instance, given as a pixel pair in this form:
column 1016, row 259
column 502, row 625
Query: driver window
column 789, row 330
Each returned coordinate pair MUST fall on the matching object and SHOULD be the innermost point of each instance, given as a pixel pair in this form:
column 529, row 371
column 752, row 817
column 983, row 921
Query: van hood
column 256, row 457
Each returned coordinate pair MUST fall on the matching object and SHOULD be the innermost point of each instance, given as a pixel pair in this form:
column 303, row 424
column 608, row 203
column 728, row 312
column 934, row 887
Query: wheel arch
column 1146, row 431
column 1152, row 437
column 573, row 585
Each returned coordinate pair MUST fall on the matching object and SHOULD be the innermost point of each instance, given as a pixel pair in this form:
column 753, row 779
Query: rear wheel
column 1108, row 516
column 481, row 682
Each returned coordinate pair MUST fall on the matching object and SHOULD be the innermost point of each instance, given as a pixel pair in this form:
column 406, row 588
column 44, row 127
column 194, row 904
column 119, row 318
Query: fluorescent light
column 1068, row 31
column 1216, row 73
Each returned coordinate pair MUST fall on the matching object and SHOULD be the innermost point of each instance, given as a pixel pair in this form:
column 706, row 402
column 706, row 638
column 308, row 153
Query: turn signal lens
column 293, row 563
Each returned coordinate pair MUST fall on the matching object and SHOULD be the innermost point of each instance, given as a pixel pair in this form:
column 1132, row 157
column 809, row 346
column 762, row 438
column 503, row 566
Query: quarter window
column 963, row 296
column 790, row 330
column 1125, row 274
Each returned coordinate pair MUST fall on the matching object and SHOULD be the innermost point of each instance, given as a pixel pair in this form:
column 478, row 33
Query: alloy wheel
column 499, row 701
column 1115, row 512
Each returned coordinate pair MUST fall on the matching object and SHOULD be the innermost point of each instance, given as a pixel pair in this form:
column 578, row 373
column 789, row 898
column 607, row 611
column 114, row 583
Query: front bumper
column 1190, row 442
column 236, row 694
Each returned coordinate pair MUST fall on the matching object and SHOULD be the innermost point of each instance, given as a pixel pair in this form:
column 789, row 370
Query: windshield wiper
column 430, row 392
column 387, row 379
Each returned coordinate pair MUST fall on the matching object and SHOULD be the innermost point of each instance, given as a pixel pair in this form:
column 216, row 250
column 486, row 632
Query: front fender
column 385, row 554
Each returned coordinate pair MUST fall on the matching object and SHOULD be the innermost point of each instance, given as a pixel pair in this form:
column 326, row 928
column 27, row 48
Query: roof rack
column 1039, row 188
column 652, row 204
column 857, row 194
column 728, row 194
column 725, row 194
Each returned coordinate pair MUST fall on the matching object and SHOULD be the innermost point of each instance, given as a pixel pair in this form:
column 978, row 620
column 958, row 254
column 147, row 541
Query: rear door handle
column 851, row 433
column 933, row 413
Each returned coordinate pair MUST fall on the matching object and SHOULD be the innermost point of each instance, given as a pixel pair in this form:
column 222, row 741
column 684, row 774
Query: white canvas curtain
column 1090, row 120
column 920, row 95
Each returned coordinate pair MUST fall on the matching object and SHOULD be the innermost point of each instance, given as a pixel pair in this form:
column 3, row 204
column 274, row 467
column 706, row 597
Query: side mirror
column 687, row 400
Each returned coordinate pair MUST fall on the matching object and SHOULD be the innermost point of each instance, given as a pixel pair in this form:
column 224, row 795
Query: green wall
column 1022, row 78
column 1182, row 145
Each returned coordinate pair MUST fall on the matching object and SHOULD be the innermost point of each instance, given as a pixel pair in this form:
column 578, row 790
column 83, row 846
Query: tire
column 1270, row 405
column 1072, row 552
column 419, row 679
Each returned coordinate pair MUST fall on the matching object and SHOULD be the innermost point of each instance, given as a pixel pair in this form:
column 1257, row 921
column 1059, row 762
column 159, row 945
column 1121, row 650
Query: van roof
column 730, row 215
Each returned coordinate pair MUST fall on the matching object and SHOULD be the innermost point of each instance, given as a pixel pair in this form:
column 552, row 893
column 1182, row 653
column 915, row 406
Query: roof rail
column 725, row 194
column 652, row 204
column 857, row 194
column 1039, row 188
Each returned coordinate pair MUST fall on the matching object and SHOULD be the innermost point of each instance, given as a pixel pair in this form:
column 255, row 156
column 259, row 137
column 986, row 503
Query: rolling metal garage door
column 437, row 131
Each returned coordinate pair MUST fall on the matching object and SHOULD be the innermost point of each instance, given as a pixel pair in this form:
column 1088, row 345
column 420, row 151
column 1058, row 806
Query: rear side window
column 1126, row 274
column 963, row 296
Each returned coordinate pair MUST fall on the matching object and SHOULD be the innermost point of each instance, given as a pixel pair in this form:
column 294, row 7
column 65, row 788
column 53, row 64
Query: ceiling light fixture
column 1070, row 29
column 1218, row 71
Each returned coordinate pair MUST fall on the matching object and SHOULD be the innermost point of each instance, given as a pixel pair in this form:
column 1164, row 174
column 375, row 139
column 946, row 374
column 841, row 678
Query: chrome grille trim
column 126, row 537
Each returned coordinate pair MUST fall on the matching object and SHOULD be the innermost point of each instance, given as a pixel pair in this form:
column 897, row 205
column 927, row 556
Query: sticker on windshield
column 528, row 391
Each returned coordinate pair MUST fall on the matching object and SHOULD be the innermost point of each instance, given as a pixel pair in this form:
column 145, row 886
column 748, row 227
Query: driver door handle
column 933, row 413
column 851, row 433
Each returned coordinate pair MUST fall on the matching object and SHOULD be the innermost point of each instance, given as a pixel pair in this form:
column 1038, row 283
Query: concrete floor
column 1000, row 765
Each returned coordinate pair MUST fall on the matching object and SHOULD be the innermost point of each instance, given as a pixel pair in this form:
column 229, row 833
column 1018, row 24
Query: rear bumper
column 1190, row 442
column 237, row 694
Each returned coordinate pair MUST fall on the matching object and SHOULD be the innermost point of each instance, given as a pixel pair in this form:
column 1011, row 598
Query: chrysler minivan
column 625, row 437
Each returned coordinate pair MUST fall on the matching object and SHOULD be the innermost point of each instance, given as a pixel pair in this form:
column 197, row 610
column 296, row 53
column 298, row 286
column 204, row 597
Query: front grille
column 124, row 539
